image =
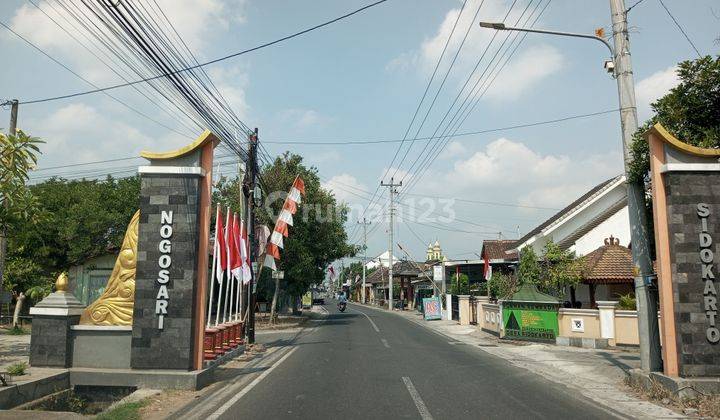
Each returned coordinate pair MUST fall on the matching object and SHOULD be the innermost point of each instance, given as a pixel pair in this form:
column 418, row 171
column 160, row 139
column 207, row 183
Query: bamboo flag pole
column 212, row 272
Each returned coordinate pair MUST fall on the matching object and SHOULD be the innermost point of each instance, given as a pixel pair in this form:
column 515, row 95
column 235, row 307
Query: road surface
column 370, row 364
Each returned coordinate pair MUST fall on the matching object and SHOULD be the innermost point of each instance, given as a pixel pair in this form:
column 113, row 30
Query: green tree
column 502, row 286
column 560, row 269
column 691, row 111
column 317, row 236
column 75, row 220
column 461, row 285
column 18, row 156
column 528, row 267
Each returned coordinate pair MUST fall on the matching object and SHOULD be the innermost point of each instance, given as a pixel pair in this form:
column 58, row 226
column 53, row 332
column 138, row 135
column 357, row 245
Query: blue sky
column 362, row 79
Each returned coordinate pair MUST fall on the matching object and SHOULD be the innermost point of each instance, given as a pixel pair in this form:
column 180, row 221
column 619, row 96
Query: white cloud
column 652, row 88
column 453, row 149
column 304, row 118
column 511, row 171
column 524, row 71
column 81, row 133
column 346, row 188
column 197, row 21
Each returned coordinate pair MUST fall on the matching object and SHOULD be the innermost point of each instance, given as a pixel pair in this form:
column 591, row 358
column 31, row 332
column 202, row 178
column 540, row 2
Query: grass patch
column 129, row 411
column 706, row 405
column 16, row 330
column 17, row 369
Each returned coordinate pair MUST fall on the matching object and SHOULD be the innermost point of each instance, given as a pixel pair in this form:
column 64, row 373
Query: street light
column 501, row 27
column 621, row 68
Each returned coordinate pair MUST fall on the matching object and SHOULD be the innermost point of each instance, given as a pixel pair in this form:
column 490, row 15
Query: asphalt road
column 370, row 364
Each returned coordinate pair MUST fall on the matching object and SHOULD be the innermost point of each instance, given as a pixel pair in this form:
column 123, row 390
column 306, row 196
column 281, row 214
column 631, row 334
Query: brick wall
column 697, row 356
column 171, row 347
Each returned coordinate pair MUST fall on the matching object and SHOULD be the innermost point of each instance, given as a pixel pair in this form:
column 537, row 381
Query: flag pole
column 227, row 254
column 212, row 272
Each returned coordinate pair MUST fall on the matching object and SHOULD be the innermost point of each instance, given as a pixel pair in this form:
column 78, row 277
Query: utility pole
column 645, row 292
column 393, row 191
column 364, row 224
column 12, row 130
column 251, row 173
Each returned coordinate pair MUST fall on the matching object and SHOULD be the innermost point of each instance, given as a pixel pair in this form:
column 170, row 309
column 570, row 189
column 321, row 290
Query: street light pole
column 650, row 358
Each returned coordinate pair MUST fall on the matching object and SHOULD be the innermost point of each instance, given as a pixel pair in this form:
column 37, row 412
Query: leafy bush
column 627, row 302
column 502, row 286
column 17, row 369
column 16, row 330
column 460, row 286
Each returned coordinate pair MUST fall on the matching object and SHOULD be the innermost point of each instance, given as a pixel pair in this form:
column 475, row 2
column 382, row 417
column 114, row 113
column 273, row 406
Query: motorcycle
column 341, row 306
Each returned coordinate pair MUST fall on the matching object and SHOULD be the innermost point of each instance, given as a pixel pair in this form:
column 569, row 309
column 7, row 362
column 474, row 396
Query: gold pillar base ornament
column 61, row 284
column 115, row 305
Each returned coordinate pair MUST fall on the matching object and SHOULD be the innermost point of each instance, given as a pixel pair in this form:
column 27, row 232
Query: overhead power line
column 207, row 63
column 378, row 141
column 680, row 28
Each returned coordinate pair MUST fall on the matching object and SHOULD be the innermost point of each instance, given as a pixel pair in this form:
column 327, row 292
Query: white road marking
column 384, row 341
column 369, row 319
column 422, row 409
column 225, row 407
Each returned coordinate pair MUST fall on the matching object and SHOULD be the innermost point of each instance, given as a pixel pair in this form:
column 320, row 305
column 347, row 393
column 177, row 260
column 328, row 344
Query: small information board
column 432, row 308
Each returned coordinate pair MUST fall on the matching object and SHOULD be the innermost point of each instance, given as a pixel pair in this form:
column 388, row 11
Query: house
column 607, row 272
column 88, row 280
column 582, row 227
column 598, row 214
column 501, row 253
column 381, row 259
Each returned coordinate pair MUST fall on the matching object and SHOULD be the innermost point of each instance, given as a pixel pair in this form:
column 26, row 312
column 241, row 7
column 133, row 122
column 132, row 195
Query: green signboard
column 307, row 300
column 530, row 320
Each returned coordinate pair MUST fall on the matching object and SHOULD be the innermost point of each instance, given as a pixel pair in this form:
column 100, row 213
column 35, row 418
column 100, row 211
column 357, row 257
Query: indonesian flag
column 245, row 254
column 487, row 268
column 220, row 247
column 285, row 219
column 235, row 257
column 331, row 270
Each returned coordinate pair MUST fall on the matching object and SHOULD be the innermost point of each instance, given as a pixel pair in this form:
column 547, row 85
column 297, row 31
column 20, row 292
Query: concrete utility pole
column 650, row 358
column 250, row 194
column 364, row 224
column 3, row 232
column 393, row 191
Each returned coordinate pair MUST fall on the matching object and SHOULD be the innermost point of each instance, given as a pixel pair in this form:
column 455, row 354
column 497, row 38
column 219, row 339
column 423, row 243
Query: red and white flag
column 285, row 219
column 220, row 247
column 331, row 271
column 487, row 271
column 235, row 257
column 245, row 254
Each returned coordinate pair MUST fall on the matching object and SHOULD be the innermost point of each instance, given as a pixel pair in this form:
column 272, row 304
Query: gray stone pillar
column 172, row 258
column 51, row 339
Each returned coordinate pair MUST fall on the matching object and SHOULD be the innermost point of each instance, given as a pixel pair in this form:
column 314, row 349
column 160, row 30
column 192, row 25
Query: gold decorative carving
column 665, row 136
column 115, row 306
column 61, row 284
column 205, row 137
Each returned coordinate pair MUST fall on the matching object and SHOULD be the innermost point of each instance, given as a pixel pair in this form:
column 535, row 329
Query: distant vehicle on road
column 318, row 301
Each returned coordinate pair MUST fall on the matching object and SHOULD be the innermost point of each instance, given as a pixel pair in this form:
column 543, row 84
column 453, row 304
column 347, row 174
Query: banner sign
column 530, row 321
column 432, row 307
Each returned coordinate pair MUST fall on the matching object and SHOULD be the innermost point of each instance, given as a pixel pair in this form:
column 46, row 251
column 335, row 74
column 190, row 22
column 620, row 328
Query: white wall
column 617, row 225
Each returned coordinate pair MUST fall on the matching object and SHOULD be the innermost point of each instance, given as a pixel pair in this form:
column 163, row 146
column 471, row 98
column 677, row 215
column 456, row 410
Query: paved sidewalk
column 14, row 349
column 595, row 374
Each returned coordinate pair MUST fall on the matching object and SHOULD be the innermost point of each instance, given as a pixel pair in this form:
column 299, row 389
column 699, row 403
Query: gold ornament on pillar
column 115, row 306
column 61, row 284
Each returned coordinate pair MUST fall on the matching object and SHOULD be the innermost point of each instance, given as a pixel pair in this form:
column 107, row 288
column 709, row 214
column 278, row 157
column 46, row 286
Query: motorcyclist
column 342, row 299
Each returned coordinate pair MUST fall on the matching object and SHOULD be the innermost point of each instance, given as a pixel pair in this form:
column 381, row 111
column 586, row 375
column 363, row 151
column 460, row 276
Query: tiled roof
column 611, row 263
column 567, row 209
column 495, row 249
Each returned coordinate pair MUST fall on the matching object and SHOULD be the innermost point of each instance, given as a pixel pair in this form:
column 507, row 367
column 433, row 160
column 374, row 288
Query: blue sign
column 432, row 307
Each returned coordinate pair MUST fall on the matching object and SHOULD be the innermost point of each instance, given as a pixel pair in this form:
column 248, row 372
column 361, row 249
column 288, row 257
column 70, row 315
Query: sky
column 362, row 79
